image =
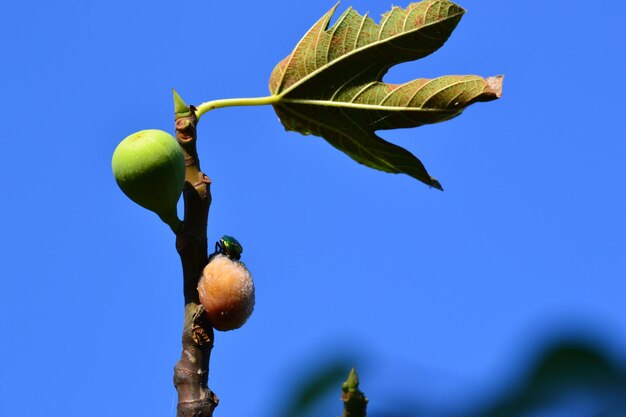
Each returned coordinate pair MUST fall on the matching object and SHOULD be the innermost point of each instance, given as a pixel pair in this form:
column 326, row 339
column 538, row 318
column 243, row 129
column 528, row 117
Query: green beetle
column 229, row 246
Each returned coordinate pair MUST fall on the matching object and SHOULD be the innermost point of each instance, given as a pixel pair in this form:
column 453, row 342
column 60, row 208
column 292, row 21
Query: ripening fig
column 149, row 167
column 226, row 292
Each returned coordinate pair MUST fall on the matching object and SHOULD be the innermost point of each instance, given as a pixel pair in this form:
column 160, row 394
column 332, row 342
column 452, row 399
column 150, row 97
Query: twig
column 354, row 401
column 191, row 373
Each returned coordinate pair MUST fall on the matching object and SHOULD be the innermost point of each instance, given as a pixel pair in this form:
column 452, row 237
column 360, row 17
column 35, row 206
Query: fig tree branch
column 191, row 373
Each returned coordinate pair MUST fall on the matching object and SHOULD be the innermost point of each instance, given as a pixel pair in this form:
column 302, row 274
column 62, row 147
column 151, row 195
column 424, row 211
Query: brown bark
column 191, row 373
column 354, row 404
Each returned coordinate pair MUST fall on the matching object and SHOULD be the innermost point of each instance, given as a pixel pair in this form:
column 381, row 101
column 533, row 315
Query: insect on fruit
column 229, row 246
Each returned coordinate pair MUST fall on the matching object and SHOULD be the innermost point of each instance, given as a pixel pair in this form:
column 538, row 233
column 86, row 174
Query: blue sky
column 449, row 292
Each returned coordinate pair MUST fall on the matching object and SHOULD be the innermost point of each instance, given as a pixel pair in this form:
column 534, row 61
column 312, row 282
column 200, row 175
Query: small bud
column 226, row 292
column 352, row 383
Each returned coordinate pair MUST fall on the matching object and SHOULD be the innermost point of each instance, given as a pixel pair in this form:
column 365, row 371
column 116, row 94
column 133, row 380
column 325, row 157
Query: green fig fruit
column 149, row 167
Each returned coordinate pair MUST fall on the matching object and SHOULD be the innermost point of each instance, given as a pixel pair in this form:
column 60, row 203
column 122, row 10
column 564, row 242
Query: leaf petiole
column 231, row 102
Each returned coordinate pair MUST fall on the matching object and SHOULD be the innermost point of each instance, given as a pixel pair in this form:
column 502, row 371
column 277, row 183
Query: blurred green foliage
column 316, row 386
column 573, row 377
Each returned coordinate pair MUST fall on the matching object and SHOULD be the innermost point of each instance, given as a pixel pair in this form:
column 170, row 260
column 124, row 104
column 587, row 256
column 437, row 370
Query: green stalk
column 231, row 102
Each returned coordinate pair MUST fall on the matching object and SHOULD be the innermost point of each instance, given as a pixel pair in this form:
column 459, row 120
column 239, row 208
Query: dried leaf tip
column 495, row 84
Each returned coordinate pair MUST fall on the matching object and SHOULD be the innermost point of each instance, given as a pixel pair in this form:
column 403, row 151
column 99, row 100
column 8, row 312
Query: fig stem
column 231, row 102
column 174, row 223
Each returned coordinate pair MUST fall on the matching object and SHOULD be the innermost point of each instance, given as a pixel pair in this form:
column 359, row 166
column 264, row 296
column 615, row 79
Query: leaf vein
column 356, row 51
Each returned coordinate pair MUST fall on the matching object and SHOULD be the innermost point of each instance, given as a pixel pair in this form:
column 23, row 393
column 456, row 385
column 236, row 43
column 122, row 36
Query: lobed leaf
column 331, row 84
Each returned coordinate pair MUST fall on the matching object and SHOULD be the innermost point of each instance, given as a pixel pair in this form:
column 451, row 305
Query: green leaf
column 331, row 84
column 314, row 386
